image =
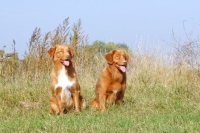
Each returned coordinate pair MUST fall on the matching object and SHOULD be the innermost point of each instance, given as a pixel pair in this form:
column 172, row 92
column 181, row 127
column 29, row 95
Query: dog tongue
column 66, row 63
column 122, row 68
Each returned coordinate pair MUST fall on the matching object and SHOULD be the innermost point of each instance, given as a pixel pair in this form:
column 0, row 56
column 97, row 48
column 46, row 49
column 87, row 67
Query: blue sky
column 105, row 20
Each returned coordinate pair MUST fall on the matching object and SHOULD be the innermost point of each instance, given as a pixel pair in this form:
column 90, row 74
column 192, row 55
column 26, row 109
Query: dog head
column 62, row 53
column 118, row 57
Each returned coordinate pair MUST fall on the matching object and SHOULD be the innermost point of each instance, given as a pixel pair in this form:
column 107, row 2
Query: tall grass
column 162, row 92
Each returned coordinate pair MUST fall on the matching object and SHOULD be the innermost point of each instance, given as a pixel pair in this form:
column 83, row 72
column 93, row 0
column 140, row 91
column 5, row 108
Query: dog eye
column 117, row 57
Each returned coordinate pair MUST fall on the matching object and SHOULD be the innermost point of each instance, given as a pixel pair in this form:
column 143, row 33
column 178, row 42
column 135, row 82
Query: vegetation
column 162, row 95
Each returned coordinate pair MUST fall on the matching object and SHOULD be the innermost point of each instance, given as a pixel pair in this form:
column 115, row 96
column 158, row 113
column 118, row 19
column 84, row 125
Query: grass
column 107, row 122
column 25, row 108
column 162, row 94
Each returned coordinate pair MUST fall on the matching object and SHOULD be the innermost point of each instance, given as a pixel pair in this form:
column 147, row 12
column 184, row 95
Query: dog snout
column 124, row 62
column 68, row 55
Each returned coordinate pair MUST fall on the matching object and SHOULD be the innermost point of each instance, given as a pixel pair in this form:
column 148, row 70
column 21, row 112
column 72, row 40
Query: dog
column 65, row 89
column 110, row 87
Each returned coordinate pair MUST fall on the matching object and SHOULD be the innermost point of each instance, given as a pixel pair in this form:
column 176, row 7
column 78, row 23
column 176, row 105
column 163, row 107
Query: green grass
column 25, row 108
column 106, row 122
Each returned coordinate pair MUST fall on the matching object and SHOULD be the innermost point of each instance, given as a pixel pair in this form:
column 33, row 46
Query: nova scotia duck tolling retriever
column 110, row 87
column 65, row 89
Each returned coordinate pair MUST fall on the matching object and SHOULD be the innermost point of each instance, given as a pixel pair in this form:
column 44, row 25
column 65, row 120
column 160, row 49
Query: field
column 162, row 93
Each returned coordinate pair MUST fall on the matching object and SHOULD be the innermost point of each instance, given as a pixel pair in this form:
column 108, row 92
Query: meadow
column 162, row 93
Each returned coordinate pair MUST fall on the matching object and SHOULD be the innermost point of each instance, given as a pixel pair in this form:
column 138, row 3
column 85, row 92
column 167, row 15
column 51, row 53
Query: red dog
column 65, row 88
column 111, row 85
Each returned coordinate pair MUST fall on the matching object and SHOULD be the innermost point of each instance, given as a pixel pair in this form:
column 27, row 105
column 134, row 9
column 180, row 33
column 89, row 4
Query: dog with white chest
column 65, row 88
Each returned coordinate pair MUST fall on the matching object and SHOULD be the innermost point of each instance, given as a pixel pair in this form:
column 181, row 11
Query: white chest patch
column 115, row 92
column 65, row 83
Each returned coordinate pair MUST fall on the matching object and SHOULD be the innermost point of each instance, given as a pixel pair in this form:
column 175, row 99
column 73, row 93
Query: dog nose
column 68, row 55
column 124, row 62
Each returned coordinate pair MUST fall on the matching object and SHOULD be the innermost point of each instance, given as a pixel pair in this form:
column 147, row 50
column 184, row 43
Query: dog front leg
column 76, row 96
column 102, row 100
column 111, row 98
column 54, row 109
column 59, row 100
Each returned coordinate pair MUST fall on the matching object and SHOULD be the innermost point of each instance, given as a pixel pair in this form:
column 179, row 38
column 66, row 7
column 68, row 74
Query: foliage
column 103, row 47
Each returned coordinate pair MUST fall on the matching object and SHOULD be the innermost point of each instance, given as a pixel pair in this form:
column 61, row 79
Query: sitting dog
column 65, row 88
column 111, row 85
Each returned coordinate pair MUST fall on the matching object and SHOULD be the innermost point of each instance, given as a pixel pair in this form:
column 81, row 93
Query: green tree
column 102, row 47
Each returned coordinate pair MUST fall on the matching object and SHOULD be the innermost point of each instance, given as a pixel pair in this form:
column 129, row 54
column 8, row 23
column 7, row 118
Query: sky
column 129, row 22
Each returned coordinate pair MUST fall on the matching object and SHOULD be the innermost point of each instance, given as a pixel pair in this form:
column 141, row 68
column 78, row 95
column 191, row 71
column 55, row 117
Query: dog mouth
column 122, row 68
column 65, row 62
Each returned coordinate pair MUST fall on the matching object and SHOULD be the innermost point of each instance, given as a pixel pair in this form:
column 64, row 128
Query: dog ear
column 109, row 57
column 51, row 51
column 127, row 58
column 71, row 50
